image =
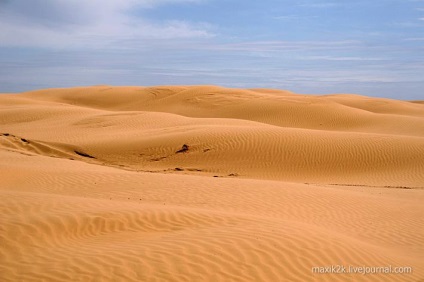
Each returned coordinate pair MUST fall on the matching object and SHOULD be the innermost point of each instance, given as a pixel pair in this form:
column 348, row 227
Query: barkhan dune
column 204, row 183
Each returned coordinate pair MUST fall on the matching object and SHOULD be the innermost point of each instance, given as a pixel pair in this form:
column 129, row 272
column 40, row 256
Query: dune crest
column 206, row 183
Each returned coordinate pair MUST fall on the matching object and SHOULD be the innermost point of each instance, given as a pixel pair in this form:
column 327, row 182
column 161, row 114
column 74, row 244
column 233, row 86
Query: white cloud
column 287, row 17
column 414, row 39
column 277, row 46
column 320, row 5
column 81, row 23
column 341, row 59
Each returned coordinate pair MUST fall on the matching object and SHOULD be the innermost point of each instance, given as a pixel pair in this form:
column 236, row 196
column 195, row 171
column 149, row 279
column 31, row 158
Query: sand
column 204, row 183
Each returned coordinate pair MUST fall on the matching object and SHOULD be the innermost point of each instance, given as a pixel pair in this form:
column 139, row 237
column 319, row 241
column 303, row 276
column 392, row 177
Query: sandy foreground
column 96, row 184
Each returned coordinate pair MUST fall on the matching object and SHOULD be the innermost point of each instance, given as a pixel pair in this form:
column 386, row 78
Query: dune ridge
column 205, row 183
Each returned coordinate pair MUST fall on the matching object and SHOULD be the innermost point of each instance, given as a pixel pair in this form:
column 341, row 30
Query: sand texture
column 204, row 183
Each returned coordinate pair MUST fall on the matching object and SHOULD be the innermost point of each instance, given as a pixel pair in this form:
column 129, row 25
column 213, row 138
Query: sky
column 373, row 48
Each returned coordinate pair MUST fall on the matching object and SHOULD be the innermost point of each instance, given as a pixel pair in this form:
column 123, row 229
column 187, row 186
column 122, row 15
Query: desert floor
column 204, row 183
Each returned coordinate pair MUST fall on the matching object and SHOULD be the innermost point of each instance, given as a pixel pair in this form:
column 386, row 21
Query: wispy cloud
column 287, row 17
column 94, row 23
column 298, row 46
column 320, row 5
column 342, row 59
column 414, row 39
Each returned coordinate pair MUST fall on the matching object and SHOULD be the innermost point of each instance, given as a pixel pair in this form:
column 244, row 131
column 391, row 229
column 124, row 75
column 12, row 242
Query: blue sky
column 373, row 48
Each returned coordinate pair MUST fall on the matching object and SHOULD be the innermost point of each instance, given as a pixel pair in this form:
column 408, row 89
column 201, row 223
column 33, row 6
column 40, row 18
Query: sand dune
column 97, row 185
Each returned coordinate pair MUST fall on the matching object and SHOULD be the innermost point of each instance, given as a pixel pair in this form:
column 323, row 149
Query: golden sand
column 97, row 185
